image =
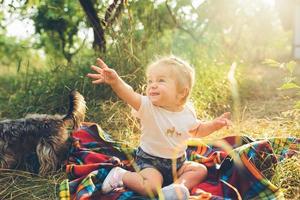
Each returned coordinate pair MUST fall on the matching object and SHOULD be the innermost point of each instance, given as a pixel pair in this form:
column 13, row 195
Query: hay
column 286, row 174
column 16, row 184
column 287, row 177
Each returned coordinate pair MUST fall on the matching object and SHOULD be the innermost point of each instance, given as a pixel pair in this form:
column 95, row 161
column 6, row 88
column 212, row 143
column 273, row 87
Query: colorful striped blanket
column 238, row 167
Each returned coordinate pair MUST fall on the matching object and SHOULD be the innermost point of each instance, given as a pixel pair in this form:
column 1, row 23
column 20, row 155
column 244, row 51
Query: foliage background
column 38, row 71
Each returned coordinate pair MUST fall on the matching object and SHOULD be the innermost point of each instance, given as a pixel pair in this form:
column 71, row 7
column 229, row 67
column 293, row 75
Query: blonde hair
column 183, row 72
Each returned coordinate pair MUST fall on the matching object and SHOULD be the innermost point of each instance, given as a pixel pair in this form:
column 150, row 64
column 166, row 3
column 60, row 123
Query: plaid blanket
column 238, row 167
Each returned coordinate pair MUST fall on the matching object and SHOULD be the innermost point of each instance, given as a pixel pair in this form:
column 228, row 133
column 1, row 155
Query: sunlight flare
column 235, row 95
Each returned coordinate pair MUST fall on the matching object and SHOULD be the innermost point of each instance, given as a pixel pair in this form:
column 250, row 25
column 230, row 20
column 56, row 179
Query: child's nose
column 153, row 85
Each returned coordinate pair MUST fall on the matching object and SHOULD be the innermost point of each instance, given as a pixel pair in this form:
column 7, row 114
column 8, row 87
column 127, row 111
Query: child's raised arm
column 205, row 128
column 121, row 88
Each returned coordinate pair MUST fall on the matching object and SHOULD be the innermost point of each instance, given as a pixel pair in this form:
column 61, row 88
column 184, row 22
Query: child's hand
column 104, row 74
column 205, row 128
column 223, row 120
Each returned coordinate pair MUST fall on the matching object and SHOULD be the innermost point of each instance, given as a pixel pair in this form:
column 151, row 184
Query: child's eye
column 149, row 81
column 161, row 80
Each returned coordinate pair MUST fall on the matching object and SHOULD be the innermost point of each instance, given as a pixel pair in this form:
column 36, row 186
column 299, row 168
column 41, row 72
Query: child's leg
column 191, row 173
column 147, row 182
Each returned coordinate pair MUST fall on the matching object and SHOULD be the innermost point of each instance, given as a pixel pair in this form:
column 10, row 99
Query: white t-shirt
column 164, row 133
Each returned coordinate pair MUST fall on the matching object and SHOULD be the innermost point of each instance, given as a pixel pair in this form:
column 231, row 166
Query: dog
column 39, row 142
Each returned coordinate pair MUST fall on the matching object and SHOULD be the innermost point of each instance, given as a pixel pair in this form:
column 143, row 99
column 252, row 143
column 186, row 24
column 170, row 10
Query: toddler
column 167, row 120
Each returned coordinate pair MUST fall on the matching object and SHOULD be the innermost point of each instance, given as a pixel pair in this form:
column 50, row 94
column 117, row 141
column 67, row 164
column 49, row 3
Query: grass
column 17, row 184
column 23, row 185
column 287, row 177
column 264, row 112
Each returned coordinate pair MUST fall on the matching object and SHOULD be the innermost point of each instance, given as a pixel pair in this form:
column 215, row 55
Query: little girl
column 167, row 120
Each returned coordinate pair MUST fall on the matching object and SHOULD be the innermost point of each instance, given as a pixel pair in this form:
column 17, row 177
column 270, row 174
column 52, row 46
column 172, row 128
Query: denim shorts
column 163, row 165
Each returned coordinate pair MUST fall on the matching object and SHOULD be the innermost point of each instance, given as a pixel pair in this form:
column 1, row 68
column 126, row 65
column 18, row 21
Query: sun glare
column 197, row 3
column 269, row 2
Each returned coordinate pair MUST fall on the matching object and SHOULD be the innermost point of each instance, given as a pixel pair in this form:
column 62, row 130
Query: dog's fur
column 40, row 135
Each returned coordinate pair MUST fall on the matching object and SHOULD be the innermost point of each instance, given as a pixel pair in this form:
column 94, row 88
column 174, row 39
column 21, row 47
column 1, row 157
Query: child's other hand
column 104, row 74
column 223, row 120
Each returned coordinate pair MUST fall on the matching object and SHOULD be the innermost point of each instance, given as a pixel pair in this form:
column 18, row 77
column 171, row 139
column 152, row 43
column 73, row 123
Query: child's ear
column 184, row 93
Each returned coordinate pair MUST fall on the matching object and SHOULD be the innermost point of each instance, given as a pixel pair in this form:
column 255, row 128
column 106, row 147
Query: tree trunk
column 90, row 11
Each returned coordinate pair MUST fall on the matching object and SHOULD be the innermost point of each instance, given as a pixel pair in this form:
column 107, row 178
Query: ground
column 265, row 110
column 270, row 108
column 265, row 99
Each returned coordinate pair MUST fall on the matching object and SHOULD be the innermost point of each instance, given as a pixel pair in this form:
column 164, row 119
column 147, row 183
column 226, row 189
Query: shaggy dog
column 39, row 142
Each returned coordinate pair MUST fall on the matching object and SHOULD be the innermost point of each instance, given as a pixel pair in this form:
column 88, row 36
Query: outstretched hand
column 223, row 120
column 104, row 74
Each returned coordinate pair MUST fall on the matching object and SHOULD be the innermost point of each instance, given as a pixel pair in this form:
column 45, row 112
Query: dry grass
column 268, row 114
column 23, row 185
column 26, row 186
column 287, row 177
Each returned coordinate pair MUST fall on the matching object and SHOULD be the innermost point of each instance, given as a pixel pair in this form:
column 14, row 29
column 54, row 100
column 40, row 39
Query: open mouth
column 153, row 93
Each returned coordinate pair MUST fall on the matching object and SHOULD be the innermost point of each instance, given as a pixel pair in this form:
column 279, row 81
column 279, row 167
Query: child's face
column 162, row 88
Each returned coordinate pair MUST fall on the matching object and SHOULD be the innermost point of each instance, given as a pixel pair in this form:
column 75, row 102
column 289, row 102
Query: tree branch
column 99, row 39
column 178, row 25
column 113, row 11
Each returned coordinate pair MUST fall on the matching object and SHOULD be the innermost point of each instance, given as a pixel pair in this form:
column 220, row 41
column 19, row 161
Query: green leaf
column 297, row 105
column 290, row 85
column 291, row 66
column 271, row 63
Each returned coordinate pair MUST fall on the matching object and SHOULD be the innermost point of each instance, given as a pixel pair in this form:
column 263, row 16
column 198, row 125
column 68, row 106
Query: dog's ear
column 47, row 155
